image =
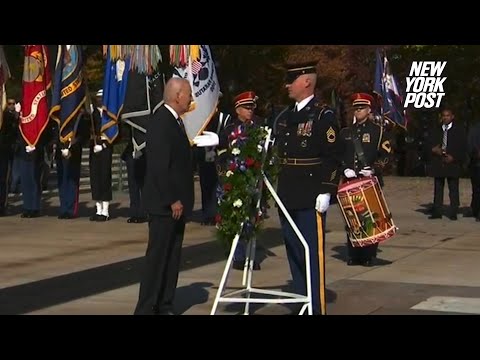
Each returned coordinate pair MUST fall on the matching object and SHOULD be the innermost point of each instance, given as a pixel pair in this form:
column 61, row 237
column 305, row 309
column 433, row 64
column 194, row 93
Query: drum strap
column 359, row 151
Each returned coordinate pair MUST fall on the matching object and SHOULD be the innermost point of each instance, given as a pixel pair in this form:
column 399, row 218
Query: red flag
column 36, row 82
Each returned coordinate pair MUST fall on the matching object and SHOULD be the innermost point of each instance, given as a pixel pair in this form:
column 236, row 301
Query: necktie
column 182, row 126
column 445, row 136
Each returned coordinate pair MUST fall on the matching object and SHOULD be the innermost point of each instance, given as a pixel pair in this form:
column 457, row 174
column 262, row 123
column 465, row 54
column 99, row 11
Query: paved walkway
column 51, row 266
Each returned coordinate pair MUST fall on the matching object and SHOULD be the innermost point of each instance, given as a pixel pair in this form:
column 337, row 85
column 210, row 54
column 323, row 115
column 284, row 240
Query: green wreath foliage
column 243, row 197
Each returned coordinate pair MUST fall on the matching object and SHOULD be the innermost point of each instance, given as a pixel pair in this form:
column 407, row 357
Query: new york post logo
column 425, row 84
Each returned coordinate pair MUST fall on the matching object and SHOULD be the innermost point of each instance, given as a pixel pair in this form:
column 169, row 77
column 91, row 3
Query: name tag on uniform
column 366, row 138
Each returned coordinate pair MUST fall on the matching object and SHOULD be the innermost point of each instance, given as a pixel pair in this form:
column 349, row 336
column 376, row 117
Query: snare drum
column 365, row 211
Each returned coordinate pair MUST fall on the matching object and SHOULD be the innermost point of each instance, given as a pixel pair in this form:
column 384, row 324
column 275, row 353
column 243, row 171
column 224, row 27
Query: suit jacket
column 456, row 147
column 169, row 174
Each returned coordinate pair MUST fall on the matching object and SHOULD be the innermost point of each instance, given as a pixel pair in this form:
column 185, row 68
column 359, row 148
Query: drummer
column 367, row 150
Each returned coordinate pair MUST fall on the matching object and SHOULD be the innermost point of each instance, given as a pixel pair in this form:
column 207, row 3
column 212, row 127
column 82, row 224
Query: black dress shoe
column 141, row 220
column 367, row 262
column 102, row 218
column 435, row 216
column 35, row 213
column 94, row 217
column 167, row 312
column 238, row 264
column 62, row 216
column 132, row 220
column 26, row 214
column 353, row 262
column 453, row 217
column 208, row 222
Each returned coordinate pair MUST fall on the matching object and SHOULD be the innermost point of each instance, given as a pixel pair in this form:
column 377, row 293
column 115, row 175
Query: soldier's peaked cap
column 362, row 99
column 298, row 69
column 245, row 98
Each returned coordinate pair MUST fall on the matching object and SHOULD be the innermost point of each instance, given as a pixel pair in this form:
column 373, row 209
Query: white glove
column 18, row 107
column 367, row 172
column 29, row 148
column 97, row 148
column 323, row 202
column 349, row 173
column 65, row 153
column 208, row 138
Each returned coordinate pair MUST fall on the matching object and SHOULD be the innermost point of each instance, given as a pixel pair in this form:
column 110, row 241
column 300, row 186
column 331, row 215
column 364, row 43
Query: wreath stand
column 244, row 295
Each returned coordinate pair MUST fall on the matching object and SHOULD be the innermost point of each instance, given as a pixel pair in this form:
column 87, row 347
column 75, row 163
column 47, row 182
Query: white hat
column 99, row 93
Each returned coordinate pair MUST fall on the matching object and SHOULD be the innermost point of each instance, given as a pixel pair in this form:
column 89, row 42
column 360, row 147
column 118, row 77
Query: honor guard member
column 8, row 125
column 367, row 149
column 308, row 150
column 207, row 169
column 245, row 105
column 68, row 157
column 100, row 165
column 136, row 168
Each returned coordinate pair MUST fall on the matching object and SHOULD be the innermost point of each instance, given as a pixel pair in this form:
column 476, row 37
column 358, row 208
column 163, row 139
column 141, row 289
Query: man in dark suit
column 448, row 144
column 169, row 197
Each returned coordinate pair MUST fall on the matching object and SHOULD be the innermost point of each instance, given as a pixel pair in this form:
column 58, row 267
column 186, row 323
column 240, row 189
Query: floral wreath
column 241, row 184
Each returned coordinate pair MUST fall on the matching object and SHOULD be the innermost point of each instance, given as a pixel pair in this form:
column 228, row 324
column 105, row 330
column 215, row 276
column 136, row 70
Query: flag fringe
column 179, row 54
column 143, row 58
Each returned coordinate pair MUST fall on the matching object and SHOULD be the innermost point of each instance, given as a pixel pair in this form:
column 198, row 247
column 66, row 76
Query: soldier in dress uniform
column 136, row 168
column 207, row 169
column 68, row 157
column 367, row 149
column 245, row 105
column 100, row 165
column 8, row 125
column 309, row 155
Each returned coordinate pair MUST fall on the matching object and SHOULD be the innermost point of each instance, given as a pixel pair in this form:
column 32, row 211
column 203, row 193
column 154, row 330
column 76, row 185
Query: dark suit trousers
column 68, row 179
column 31, row 182
column 101, row 174
column 136, row 178
column 475, row 179
column 162, row 265
column 453, row 193
column 4, row 177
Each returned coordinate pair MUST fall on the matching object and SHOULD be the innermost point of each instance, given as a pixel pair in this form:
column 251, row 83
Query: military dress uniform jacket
column 223, row 155
column 375, row 143
column 309, row 153
column 456, row 147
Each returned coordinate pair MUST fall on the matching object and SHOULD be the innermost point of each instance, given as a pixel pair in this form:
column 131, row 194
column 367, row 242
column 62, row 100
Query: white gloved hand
column 208, row 138
column 323, row 202
column 97, row 148
column 349, row 173
column 65, row 153
column 366, row 172
column 29, row 148
column 18, row 107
